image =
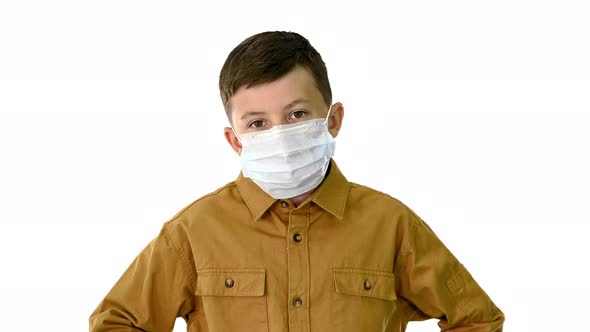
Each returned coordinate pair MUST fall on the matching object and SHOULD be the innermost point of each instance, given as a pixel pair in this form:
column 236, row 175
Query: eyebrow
column 289, row 105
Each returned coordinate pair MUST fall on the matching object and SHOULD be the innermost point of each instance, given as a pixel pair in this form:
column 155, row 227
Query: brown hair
column 267, row 56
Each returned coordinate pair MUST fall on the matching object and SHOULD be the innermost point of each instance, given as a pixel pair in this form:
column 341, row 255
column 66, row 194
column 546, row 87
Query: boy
column 291, row 244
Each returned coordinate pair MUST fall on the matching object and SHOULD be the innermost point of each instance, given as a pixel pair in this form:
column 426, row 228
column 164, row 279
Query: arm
column 438, row 285
column 156, row 288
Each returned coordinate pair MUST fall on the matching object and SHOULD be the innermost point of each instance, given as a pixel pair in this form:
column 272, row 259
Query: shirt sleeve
column 155, row 289
column 431, row 278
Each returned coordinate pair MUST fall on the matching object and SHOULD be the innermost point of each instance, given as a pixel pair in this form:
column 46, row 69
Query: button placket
column 298, row 258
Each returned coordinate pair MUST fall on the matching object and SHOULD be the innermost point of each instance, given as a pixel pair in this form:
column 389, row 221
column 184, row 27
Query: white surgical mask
column 287, row 160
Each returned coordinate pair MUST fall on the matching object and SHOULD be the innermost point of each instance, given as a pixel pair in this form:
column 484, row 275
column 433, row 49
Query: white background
column 474, row 114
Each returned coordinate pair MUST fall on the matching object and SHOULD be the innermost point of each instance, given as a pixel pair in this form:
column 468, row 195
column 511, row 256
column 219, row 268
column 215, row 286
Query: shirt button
column 229, row 283
column 298, row 302
column 367, row 285
column 297, row 237
column 284, row 204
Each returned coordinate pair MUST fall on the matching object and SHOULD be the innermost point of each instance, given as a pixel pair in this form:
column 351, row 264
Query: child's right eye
column 256, row 124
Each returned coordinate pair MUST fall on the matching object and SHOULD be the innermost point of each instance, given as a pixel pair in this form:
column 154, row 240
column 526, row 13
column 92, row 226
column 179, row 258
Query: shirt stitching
column 179, row 213
column 343, row 202
column 178, row 248
column 184, row 259
column 245, row 198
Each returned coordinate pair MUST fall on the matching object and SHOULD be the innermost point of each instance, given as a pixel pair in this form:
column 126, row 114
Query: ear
column 335, row 118
column 233, row 141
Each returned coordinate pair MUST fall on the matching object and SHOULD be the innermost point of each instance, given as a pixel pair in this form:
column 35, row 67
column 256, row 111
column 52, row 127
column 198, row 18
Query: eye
column 256, row 124
column 297, row 114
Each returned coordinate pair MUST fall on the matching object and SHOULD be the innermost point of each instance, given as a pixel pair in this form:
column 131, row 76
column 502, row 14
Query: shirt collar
column 330, row 195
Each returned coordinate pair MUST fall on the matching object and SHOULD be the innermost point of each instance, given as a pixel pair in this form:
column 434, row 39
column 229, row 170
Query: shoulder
column 218, row 199
column 361, row 195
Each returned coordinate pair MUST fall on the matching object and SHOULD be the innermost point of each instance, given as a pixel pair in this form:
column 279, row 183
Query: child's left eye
column 298, row 114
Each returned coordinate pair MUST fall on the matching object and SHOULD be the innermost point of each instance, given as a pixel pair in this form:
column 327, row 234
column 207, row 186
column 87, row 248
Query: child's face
column 292, row 98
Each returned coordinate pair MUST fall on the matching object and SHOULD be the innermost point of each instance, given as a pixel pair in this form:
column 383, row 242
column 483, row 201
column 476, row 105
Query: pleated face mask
column 287, row 160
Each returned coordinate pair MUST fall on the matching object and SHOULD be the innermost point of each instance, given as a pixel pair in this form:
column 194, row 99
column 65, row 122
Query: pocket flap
column 243, row 281
column 380, row 284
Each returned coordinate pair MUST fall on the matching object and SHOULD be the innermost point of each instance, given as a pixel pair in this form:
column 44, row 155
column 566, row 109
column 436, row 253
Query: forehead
column 273, row 96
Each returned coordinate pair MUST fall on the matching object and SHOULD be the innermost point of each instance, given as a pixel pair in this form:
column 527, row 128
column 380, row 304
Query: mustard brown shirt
column 348, row 259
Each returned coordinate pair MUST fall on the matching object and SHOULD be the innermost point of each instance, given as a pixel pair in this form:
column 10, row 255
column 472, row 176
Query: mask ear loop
column 238, row 137
column 327, row 116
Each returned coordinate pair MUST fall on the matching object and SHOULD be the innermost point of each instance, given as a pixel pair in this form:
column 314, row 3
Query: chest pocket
column 234, row 299
column 363, row 300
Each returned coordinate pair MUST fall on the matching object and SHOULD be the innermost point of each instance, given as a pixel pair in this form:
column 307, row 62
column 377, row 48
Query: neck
column 301, row 198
